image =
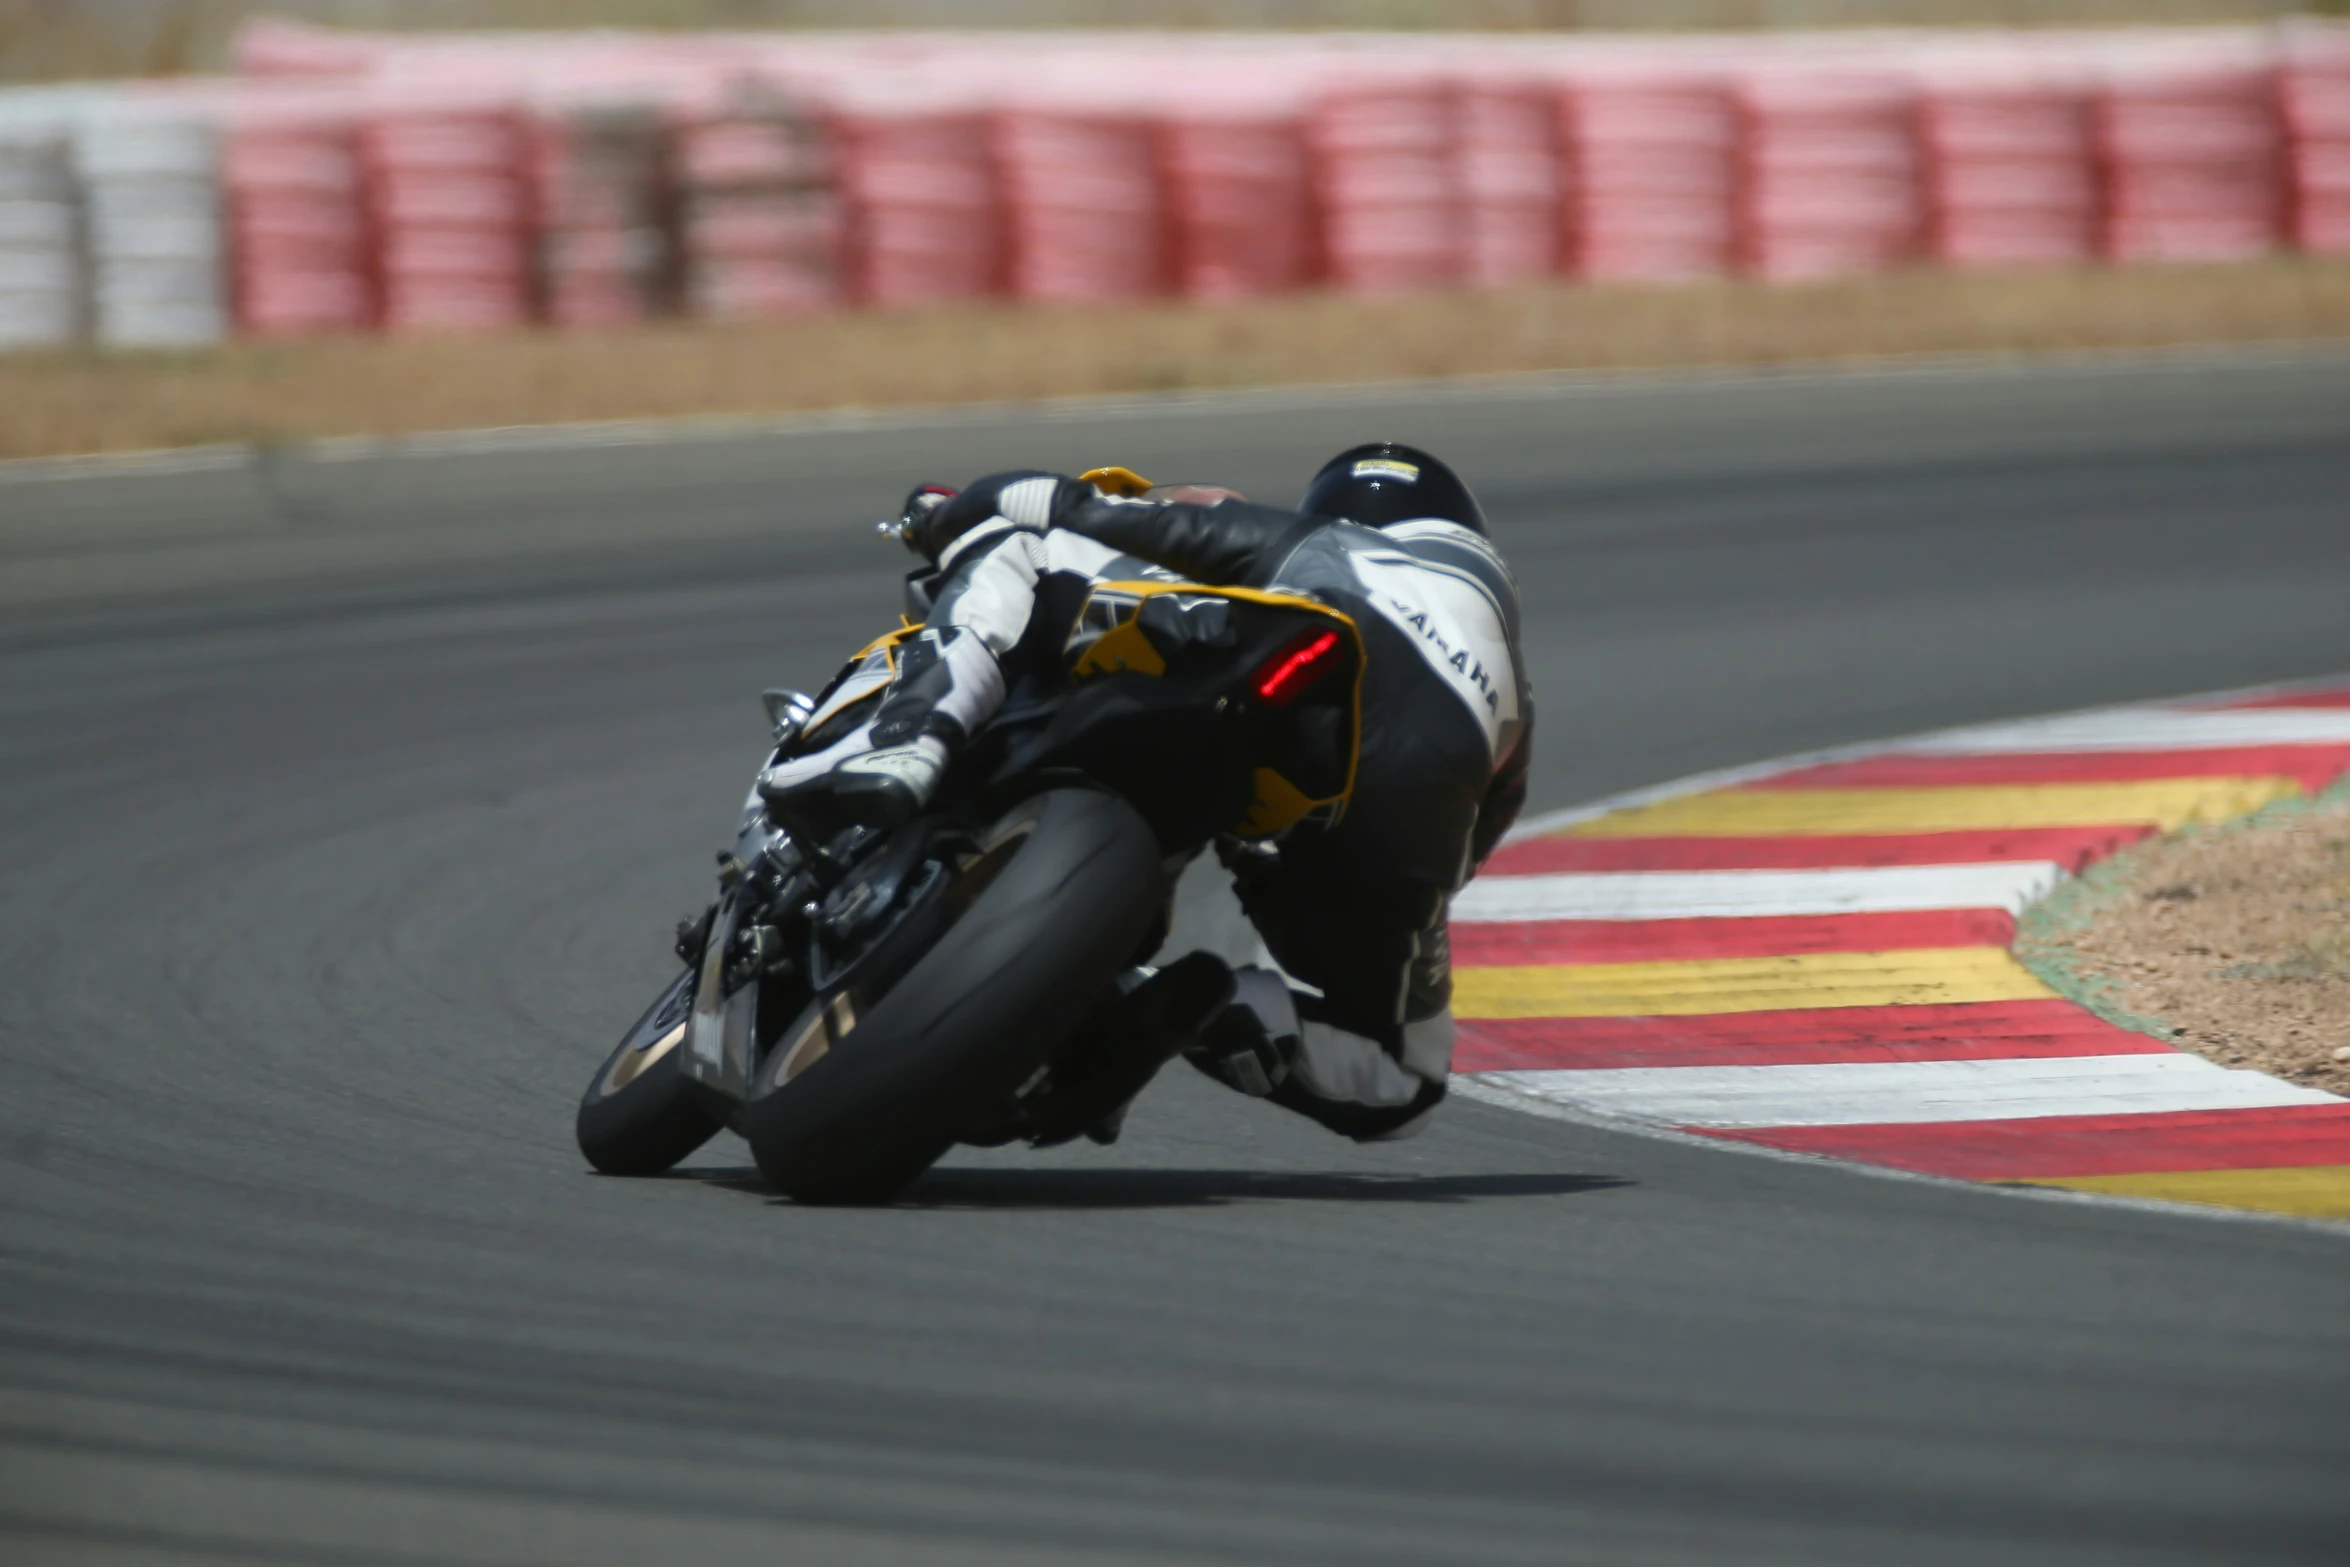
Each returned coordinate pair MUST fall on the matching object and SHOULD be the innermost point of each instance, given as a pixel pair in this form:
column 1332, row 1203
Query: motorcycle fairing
column 1155, row 695
column 869, row 670
column 1148, row 629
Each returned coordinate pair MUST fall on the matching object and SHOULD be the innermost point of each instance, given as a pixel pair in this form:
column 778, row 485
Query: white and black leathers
column 1356, row 912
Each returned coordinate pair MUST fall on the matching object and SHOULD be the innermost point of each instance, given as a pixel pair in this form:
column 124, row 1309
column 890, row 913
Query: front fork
column 722, row 1030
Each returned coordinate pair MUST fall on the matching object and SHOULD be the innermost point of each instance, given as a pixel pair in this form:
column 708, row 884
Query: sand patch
column 2232, row 942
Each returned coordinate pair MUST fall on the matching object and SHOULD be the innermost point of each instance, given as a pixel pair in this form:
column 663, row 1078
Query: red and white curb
column 1813, row 956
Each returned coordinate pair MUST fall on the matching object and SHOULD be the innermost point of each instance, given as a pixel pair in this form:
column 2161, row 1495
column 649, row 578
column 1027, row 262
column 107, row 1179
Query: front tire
column 1024, row 963
column 639, row 1116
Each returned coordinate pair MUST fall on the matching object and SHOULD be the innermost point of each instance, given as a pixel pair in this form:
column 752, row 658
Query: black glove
column 913, row 527
column 1038, row 507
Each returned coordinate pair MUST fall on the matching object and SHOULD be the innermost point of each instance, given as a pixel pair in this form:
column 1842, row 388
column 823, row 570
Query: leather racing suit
column 1358, row 1009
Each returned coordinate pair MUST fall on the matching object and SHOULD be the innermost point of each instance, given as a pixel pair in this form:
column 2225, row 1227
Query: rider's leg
column 1367, row 1050
column 949, row 681
column 1097, row 1075
column 948, row 684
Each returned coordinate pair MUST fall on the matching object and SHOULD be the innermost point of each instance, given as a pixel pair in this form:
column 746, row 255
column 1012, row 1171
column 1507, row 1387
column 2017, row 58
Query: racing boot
column 887, row 773
column 1251, row 1044
column 1097, row 1075
column 889, row 785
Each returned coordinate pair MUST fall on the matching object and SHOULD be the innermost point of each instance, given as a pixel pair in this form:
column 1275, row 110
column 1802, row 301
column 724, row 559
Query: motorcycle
column 860, row 999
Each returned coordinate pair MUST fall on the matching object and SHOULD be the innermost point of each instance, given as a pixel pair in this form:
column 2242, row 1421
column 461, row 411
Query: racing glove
column 1025, row 498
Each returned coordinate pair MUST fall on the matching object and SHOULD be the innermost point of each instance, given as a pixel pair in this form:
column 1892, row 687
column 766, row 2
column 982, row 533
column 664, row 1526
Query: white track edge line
column 1470, row 1086
column 1527, row 897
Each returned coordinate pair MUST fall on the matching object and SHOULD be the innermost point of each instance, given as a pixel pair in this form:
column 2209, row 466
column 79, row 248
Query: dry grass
column 270, row 392
column 2238, row 939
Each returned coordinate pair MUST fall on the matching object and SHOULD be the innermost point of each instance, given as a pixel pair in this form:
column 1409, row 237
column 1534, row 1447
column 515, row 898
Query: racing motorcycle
column 860, row 999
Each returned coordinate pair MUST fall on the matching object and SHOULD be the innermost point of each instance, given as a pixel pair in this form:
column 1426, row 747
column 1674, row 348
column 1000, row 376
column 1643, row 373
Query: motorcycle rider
column 1355, row 911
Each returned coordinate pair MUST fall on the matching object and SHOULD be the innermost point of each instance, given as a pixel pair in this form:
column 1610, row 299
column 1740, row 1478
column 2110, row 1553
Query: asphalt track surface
column 346, row 806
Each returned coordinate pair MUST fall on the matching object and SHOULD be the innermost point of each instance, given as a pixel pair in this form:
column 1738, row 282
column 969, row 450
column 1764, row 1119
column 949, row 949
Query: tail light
column 1285, row 676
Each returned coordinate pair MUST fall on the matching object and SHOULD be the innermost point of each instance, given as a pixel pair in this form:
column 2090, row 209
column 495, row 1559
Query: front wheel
column 639, row 1116
column 865, row 1093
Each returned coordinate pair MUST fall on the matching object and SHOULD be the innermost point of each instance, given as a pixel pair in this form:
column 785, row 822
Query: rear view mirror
column 787, row 710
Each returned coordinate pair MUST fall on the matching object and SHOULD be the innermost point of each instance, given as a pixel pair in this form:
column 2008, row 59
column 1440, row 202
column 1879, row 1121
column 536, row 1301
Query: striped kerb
column 1816, row 960
column 2163, row 803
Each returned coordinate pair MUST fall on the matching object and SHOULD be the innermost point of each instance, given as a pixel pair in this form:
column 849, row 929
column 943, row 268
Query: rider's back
column 1445, row 706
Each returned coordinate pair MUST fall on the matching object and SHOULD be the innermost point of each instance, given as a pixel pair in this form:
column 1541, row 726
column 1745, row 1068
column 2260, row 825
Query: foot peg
column 693, row 935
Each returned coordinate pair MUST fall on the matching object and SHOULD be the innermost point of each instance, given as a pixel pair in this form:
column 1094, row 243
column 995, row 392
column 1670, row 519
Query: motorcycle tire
column 639, row 1115
column 1014, row 975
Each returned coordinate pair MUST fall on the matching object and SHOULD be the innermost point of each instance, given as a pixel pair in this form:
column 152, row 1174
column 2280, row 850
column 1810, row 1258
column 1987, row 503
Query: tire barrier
column 758, row 226
column 2314, row 92
column 296, row 224
column 444, row 194
column 475, row 182
column 42, row 293
column 597, row 176
column 2011, row 163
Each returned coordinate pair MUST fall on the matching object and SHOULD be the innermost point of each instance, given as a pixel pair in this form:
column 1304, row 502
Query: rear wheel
column 862, row 1093
column 640, row 1116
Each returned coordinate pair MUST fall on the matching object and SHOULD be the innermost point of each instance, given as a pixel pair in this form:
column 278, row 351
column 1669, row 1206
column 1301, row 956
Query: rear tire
column 1016, row 974
column 639, row 1116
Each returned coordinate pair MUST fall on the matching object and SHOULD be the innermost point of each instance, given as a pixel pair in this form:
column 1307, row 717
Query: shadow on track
column 1130, row 1188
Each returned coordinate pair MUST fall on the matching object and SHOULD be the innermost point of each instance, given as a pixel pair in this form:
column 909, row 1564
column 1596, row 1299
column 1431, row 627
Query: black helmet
column 1386, row 482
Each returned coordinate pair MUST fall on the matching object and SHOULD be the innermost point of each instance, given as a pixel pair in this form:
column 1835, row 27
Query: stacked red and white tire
column 918, row 179
column 1386, row 175
column 760, row 221
column 1831, row 180
column 1239, row 191
column 1082, row 203
column 2314, row 91
column 1648, row 171
column 598, row 182
column 2194, row 159
column 1508, row 150
column 448, row 202
column 467, row 182
column 2010, row 159
column 297, row 217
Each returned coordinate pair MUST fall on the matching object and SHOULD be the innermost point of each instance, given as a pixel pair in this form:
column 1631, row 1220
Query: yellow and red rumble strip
column 1815, row 958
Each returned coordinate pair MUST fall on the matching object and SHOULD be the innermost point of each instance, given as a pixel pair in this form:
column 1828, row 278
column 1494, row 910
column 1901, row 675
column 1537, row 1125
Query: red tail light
column 1281, row 678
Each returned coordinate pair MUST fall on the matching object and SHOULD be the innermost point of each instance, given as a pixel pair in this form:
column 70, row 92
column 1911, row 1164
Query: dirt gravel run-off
column 2236, row 940
column 267, row 391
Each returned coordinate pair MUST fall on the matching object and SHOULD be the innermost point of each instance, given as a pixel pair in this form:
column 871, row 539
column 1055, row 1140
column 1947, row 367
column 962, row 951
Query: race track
column 347, row 804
